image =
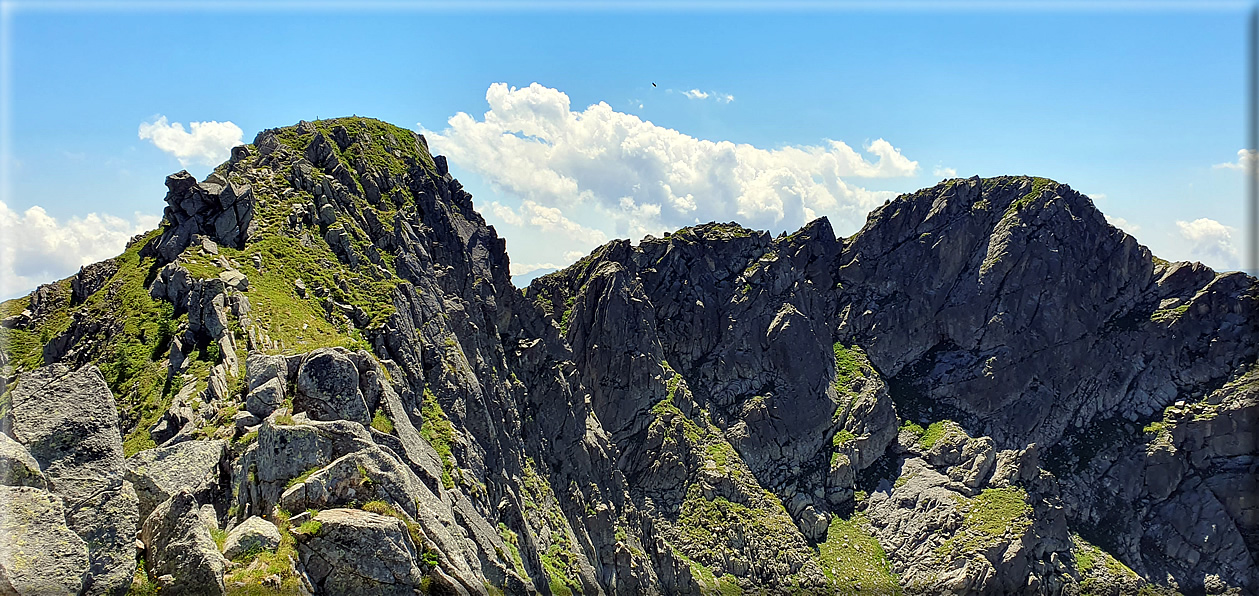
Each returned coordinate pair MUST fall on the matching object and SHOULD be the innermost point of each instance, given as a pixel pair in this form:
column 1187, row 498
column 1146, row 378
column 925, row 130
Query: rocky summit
column 316, row 377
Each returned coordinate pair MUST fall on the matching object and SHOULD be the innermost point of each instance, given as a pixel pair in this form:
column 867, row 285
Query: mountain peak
column 325, row 325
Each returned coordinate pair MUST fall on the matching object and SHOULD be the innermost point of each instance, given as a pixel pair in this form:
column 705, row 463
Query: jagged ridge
column 714, row 410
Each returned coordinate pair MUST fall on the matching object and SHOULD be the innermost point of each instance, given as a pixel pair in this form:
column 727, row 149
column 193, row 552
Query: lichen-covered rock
column 250, row 536
column 179, row 550
column 39, row 554
column 17, row 467
column 349, row 551
column 198, row 467
column 328, row 388
column 68, row 421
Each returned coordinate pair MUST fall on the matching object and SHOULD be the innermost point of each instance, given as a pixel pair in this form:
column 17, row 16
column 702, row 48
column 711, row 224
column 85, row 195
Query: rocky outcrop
column 251, row 536
column 328, row 388
column 920, row 404
column 217, row 207
column 68, row 421
column 179, row 551
column 17, row 467
column 332, row 553
column 197, row 467
column 40, row 554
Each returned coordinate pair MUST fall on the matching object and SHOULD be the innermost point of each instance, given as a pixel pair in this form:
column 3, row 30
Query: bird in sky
column 653, row 84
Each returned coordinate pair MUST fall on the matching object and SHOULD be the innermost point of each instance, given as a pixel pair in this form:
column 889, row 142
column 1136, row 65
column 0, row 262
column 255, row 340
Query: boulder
column 328, row 388
column 333, row 554
column 17, row 467
column 252, row 535
column 180, row 551
column 235, row 280
column 68, row 422
column 197, row 467
column 40, row 555
column 267, row 381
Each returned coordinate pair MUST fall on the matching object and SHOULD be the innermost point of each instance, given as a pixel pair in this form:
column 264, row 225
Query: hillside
column 318, row 377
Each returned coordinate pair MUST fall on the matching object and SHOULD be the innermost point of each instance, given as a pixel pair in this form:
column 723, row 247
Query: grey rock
column 328, row 388
column 90, row 279
column 196, row 467
column 265, row 398
column 108, row 523
column 17, row 467
column 178, row 544
column 68, row 422
column 252, row 535
column 333, row 555
column 41, row 555
column 235, row 280
column 172, row 284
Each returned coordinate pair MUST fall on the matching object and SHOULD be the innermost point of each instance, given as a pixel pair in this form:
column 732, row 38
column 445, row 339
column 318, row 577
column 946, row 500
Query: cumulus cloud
column 1245, row 157
column 204, row 143
column 549, row 220
column 695, row 94
column 1120, row 222
column 1210, row 242
column 633, row 177
column 942, row 172
column 35, row 247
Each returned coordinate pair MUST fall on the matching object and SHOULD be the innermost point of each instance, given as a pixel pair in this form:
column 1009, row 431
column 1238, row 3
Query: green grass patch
column 381, row 422
column 914, row 428
column 247, row 578
column 936, row 431
column 1038, row 185
column 994, row 513
column 300, row 478
column 1169, row 315
column 512, row 542
column 439, row 433
column 847, row 367
column 850, row 556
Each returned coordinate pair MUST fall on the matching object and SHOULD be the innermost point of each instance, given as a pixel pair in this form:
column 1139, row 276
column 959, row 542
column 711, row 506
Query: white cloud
column 1245, row 157
column 523, row 268
column 629, row 177
column 1210, row 242
column 943, row 172
column 35, row 248
column 1120, row 222
column 1096, row 196
column 716, row 96
column 549, row 220
column 205, row 143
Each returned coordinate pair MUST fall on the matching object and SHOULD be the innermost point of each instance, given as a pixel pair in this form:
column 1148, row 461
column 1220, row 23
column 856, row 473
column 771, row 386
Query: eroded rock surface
column 920, row 406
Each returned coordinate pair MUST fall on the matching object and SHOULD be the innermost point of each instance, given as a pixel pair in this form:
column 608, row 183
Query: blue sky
column 1141, row 109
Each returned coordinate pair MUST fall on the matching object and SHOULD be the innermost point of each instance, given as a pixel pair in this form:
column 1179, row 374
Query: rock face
column 355, row 552
column 68, row 421
column 181, row 553
column 198, row 467
column 988, row 389
column 40, row 555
